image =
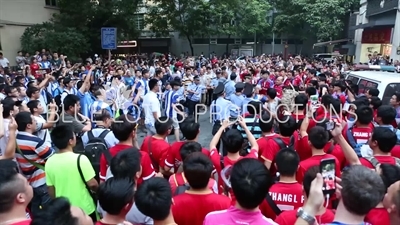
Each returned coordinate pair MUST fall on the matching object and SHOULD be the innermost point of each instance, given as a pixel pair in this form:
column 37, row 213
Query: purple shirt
column 233, row 216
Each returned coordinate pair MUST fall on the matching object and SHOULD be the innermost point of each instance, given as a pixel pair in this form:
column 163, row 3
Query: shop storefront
column 376, row 41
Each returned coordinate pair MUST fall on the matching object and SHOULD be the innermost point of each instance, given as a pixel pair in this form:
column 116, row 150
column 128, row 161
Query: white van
column 386, row 82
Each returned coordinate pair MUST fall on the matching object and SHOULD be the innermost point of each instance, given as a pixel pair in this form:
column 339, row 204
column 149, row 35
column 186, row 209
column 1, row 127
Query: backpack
column 180, row 189
column 352, row 141
column 282, row 144
column 374, row 162
column 95, row 147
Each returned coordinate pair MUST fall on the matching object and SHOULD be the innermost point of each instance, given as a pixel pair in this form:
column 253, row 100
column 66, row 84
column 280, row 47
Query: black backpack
column 181, row 189
column 95, row 147
column 282, row 144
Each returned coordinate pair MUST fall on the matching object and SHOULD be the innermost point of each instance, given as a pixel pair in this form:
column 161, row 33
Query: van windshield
column 389, row 91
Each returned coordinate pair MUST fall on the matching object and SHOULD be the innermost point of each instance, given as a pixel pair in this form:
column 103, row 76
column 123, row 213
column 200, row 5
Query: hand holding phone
column 329, row 125
column 327, row 169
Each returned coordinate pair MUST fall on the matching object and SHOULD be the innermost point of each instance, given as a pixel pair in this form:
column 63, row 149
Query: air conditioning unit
column 213, row 41
column 238, row 41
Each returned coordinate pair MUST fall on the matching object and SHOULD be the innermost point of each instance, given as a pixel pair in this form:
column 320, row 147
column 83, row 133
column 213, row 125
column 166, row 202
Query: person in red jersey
column 311, row 75
column 317, row 139
column 115, row 198
column 250, row 181
column 266, row 124
column 59, row 211
column 287, row 127
column 191, row 207
column 191, row 131
column 156, row 146
column 154, row 199
column 264, row 83
column 323, row 215
column 381, row 142
column 329, row 110
column 359, row 133
column 300, row 108
column 279, row 87
column 233, row 142
column 287, row 193
column 390, row 174
column 125, row 131
column 374, row 103
column 297, row 81
column 15, row 194
column 178, row 178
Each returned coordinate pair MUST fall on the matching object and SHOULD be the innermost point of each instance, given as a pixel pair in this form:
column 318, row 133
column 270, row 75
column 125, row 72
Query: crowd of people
column 70, row 153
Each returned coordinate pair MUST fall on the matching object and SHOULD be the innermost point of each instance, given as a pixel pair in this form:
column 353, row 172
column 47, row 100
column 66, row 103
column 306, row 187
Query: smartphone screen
column 330, row 125
column 327, row 170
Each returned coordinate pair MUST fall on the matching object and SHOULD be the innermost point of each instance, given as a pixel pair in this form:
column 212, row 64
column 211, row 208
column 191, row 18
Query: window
column 139, row 21
column 353, row 79
column 51, row 3
column 364, row 85
column 389, row 92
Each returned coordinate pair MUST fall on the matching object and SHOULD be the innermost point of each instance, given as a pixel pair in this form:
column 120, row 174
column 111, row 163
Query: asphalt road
column 204, row 137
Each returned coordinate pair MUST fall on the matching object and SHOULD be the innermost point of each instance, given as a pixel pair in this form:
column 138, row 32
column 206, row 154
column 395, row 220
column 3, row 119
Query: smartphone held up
column 327, row 169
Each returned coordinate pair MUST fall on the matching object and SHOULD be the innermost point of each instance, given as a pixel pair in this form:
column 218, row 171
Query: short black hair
column 163, row 125
column 385, row 137
column 266, row 123
column 69, row 101
column 232, row 140
column 23, row 119
column 152, row 83
column 309, row 176
column 61, row 135
column 57, row 211
column 318, row 137
column 387, row 114
column 390, row 174
column 287, row 161
column 154, row 198
column 32, row 105
column 250, row 181
column 126, row 163
column 188, row 148
column 365, row 115
column 190, row 128
column 31, row 90
column 123, row 126
column 115, row 194
column 10, row 184
column 373, row 92
column 197, row 168
column 287, row 126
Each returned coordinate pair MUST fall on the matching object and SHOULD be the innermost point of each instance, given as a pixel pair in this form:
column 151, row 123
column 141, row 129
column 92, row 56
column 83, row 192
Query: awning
column 330, row 42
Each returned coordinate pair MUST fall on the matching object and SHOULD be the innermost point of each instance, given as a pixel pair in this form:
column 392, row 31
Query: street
column 204, row 137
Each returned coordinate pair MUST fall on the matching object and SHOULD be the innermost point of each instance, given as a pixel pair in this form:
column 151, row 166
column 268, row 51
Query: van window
column 389, row 91
column 365, row 85
column 353, row 79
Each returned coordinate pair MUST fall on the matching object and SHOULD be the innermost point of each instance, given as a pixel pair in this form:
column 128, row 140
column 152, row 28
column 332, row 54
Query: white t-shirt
column 65, row 93
column 4, row 139
column 44, row 134
column 4, row 62
column 151, row 104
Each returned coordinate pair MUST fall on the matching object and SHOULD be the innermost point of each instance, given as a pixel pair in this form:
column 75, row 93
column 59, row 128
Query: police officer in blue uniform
column 230, row 86
column 221, row 109
column 249, row 96
column 237, row 98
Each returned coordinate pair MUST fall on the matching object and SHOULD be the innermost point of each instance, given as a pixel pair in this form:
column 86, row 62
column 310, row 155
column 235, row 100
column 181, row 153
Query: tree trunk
column 190, row 44
column 227, row 46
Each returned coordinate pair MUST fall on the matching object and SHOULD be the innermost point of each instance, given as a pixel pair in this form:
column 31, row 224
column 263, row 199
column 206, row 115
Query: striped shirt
column 36, row 150
column 97, row 106
column 251, row 122
column 171, row 97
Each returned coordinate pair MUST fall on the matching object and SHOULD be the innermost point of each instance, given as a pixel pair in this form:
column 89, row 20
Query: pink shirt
column 234, row 216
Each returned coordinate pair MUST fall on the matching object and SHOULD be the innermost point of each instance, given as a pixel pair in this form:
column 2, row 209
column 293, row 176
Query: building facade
column 15, row 17
column 378, row 29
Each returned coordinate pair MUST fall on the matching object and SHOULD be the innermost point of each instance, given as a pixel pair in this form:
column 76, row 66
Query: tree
column 188, row 17
column 240, row 18
column 324, row 18
column 87, row 21
column 47, row 35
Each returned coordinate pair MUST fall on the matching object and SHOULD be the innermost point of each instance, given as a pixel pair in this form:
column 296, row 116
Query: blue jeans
column 40, row 198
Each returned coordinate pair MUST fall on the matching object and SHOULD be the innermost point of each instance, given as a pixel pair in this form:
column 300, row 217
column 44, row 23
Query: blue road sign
column 109, row 38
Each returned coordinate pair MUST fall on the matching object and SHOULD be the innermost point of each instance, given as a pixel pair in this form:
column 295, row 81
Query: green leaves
column 76, row 30
column 325, row 19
